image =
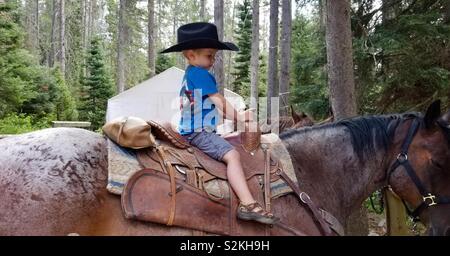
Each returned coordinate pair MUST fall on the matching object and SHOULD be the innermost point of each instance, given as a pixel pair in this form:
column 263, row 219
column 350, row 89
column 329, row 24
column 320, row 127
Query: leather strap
column 334, row 223
column 169, row 170
column 428, row 199
column 304, row 198
column 233, row 207
column 267, row 195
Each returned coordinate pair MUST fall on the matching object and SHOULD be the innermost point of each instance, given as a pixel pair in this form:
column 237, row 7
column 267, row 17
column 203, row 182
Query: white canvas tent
column 157, row 99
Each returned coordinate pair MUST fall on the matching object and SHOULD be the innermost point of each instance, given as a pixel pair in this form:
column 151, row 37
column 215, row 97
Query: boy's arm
column 227, row 110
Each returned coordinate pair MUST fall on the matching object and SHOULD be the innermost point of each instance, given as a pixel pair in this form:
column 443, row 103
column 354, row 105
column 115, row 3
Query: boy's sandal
column 254, row 211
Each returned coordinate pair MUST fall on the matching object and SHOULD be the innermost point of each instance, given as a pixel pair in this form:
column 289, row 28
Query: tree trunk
column 158, row 26
column 151, row 38
column 174, row 21
column 322, row 6
column 83, row 25
column 37, row 23
column 121, row 47
column 52, row 55
column 62, row 38
column 447, row 12
column 218, row 66
column 254, row 59
column 390, row 9
column 285, row 60
column 341, row 83
column 202, row 10
column 228, row 76
column 88, row 8
column 32, row 26
column 177, row 5
column 84, row 33
column 272, row 80
column 340, row 60
column 396, row 215
column 395, row 210
column 92, row 19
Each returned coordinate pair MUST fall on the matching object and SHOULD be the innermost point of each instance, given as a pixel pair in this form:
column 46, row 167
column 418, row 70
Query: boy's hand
column 247, row 115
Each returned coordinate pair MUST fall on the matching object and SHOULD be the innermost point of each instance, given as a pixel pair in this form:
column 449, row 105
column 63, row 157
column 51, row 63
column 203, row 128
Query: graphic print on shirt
column 186, row 97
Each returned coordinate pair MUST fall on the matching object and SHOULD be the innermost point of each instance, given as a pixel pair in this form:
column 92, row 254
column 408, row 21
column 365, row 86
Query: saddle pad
column 146, row 197
column 122, row 163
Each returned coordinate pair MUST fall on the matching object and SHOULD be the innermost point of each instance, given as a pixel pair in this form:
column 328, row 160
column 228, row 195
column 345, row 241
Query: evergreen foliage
column 241, row 83
column 26, row 87
column 17, row 68
column 97, row 87
column 66, row 107
column 401, row 55
column 309, row 91
column 163, row 62
column 402, row 63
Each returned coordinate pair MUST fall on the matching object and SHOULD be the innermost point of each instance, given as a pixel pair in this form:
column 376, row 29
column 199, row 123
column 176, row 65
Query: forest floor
column 377, row 224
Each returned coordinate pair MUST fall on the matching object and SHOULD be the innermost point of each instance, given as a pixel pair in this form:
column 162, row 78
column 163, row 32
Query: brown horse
column 295, row 120
column 52, row 182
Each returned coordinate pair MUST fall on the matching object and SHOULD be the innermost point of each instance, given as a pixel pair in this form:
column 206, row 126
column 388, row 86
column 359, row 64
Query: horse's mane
column 367, row 132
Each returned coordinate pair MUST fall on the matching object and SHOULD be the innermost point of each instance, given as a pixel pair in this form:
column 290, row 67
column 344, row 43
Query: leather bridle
column 428, row 199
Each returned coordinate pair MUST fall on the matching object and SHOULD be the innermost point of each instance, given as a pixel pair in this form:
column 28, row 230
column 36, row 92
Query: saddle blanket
column 122, row 163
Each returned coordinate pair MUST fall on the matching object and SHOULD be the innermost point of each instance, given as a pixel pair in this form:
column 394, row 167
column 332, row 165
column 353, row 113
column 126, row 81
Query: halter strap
column 428, row 199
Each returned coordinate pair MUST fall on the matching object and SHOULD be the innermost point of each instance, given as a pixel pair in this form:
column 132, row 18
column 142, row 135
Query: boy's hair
column 186, row 51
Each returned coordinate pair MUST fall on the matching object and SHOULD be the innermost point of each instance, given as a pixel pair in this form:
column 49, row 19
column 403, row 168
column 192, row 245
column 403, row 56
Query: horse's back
column 53, row 182
column 48, row 178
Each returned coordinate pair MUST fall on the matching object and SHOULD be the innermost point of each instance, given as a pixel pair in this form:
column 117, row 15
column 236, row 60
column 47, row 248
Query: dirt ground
column 377, row 224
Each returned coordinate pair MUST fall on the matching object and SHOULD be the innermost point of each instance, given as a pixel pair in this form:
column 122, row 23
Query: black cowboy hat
column 199, row 35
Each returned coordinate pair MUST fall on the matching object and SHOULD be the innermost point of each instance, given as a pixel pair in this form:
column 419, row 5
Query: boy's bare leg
column 236, row 177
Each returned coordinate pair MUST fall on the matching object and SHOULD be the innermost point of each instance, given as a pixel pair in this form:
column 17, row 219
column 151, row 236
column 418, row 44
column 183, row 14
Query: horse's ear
column 433, row 113
column 295, row 116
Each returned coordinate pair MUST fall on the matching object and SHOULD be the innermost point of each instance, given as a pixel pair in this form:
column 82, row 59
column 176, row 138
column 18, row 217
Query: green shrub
column 22, row 123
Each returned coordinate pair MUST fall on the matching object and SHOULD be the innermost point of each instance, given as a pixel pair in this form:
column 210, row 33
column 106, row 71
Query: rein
column 428, row 199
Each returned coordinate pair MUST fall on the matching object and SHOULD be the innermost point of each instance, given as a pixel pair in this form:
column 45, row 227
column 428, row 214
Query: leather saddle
column 181, row 153
column 165, row 132
column 171, row 187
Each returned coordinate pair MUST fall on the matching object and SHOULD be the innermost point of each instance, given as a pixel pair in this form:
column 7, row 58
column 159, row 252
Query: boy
column 199, row 104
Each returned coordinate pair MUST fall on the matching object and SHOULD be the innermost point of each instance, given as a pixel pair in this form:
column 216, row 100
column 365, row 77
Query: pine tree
column 241, row 84
column 97, row 87
column 13, row 89
column 163, row 62
column 64, row 101
column 24, row 85
column 309, row 90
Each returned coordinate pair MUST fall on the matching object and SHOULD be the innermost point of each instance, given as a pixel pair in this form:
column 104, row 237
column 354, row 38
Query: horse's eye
column 436, row 164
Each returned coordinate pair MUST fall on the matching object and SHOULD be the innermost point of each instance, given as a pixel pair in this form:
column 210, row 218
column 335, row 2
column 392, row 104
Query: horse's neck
column 330, row 171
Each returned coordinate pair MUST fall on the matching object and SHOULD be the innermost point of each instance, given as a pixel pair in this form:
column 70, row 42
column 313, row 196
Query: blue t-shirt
column 197, row 110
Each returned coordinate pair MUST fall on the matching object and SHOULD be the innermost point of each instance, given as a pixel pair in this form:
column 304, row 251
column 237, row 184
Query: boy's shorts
column 210, row 143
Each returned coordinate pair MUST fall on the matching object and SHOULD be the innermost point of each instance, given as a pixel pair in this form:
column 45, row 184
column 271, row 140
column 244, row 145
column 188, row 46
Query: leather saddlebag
column 147, row 197
column 130, row 132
